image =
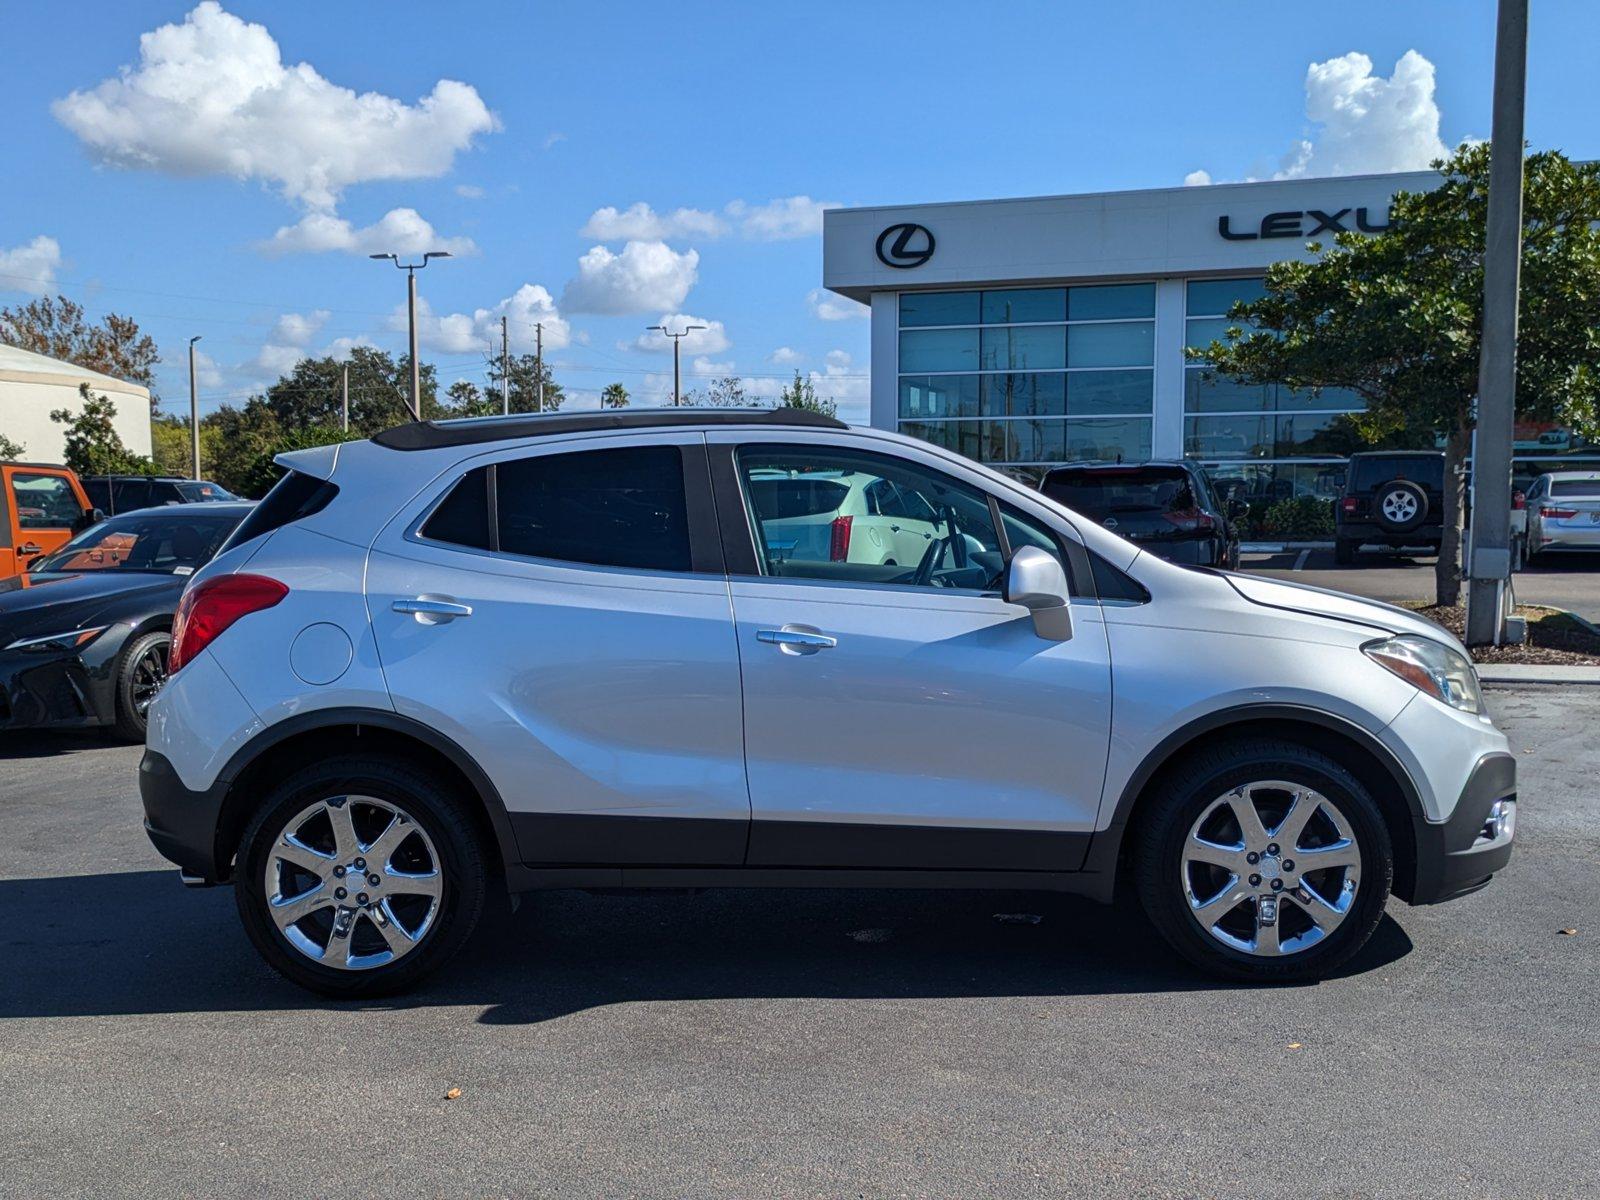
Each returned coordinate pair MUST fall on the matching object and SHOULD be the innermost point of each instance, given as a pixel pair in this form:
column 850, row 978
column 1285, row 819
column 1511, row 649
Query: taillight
column 839, row 539
column 1190, row 520
column 1349, row 504
column 214, row 604
column 1560, row 514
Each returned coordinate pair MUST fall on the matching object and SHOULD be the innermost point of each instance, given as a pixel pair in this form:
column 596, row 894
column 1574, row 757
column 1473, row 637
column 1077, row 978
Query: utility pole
column 677, row 342
column 505, row 369
column 194, row 412
column 344, row 398
column 1489, row 563
column 411, row 270
column 538, row 366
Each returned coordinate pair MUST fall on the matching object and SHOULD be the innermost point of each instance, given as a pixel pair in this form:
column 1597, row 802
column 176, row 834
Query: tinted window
column 463, row 517
column 615, row 508
column 203, row 492
column 800, row 497
column 44, row 501
column 1112, row 584
column 1575, row 487
column 292, row 498
column 99, row 493
column 1121, row 490
column 165, row 493
column 938, row 308
column 151, row 540
column 1426, row 469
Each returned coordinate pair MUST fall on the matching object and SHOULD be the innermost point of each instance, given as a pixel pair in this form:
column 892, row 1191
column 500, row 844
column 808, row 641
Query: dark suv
column 1393, row 498
column 113, row 494
column 1167, row 508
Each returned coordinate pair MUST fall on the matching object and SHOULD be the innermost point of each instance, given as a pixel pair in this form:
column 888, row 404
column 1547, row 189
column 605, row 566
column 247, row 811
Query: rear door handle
column 431, row 611
column 797, row 639
column 30, row 548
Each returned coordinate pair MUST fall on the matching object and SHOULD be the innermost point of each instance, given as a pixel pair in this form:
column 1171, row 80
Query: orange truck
column 41, row 506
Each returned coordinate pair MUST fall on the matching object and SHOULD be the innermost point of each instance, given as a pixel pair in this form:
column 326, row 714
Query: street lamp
column 411, row 270
column 677, row 338
column 194, row 411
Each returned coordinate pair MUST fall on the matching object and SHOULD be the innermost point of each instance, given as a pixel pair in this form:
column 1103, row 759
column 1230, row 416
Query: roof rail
column 434, row 435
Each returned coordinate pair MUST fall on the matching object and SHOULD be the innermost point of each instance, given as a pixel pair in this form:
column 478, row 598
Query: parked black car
column 113, row 494
column 84, row 633
column 1393, row 498
column 1168, row 508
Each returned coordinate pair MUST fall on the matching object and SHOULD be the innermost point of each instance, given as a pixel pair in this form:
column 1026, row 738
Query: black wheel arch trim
column 1105, row 849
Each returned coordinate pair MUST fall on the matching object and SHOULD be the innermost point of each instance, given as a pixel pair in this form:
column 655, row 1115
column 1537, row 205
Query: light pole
column 194, row 412
column 411, row 270
column 677, row 339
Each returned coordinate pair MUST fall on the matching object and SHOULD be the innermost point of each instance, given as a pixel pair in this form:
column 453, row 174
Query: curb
column 1281, row 547
column 1537, row 673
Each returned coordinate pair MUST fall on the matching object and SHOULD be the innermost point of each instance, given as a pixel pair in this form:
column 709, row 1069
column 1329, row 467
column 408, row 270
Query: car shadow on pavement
column 49, row 743
column 138, row 942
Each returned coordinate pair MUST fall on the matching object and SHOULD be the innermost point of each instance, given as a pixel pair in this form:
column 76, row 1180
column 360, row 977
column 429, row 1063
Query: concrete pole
column 505, row 369
column 1489, row 571
column 677, row 386
column 416, row 368
column 344, row 398
column 538, row 366
column 194, row 413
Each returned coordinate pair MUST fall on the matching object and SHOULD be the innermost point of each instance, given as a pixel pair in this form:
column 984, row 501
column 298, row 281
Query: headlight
column 1431, row 666
column 70, row 640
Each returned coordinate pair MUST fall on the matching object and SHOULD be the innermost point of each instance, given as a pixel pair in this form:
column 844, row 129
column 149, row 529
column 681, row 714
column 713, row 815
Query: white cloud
column 645, row 277
column 206, row 372
column 297, row 329
column 274, row 360
column 838, row 360
column 341, row 347
column 551, row 139
column 30, row 267
column 212, row 96
column 469, row 191
column 713, row 339
column 828, row 306
column 841, row 383
column 1197, row 179
column 784, row 356
column 463, row 333
column 775, row 221
column 1363, row 123
column 639, row 222
column 705, row 366
column 401, row 231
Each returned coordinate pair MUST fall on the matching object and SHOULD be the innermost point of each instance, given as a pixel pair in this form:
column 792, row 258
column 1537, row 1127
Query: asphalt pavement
column 1571, row 582
column 787, row 1043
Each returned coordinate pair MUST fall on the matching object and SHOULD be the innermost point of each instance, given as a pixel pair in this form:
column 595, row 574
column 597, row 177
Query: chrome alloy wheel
column 1400, row 507
column 149, row 674
column 353, row 882
column 1270, row 868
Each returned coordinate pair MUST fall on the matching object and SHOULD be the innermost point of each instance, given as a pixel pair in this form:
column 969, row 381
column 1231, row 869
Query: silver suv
column 590, row 651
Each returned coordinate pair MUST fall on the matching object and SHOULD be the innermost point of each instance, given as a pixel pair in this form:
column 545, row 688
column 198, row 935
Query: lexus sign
column 905, row 245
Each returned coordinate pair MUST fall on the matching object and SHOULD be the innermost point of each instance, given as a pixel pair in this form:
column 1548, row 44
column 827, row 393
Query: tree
column 93, row 446
column 380, row 390
column 726, row 392
column 10, row 451
column 57, row 328
column 802, row 394
column 1397, row 317
column 170, row 447
column 614, row 396
column 464, row 399
column 525, row 370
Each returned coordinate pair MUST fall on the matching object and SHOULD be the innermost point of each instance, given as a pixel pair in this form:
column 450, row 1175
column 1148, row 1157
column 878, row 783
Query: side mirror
column 91, row 516
column 1036, row 581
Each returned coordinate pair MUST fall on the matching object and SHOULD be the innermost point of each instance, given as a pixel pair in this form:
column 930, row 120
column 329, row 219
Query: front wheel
column 358, row 876
column 1264, row 860
column 140, row 675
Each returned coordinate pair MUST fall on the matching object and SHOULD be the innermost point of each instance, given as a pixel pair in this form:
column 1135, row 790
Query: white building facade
column 32, row 386
column 1025, row 333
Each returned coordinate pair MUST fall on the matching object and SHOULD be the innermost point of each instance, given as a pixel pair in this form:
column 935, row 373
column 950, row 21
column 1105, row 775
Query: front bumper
column 64, row 689
column 1461, row 854
column 181, row 824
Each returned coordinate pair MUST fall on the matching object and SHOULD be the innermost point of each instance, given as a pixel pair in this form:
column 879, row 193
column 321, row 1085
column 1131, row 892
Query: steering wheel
column 930, row 558
column 954, row 541
column 957, row 542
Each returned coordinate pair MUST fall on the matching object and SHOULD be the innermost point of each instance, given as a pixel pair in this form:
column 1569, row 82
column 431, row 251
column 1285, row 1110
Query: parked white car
column 841, row 516
column 587, row 650
column 1563, row 512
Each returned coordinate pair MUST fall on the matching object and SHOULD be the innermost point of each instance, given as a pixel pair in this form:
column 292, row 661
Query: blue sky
column 154, row 178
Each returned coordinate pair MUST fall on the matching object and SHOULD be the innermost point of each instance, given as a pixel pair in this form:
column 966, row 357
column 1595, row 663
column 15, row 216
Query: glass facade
column 1030, row 376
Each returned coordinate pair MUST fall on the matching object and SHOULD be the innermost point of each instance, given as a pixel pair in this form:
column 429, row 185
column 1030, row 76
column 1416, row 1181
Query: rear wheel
column 1264, row 860
column 140, row 675
column 359, row 876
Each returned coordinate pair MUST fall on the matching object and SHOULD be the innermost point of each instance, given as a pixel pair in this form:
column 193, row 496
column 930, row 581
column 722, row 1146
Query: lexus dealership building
column 1029, row 332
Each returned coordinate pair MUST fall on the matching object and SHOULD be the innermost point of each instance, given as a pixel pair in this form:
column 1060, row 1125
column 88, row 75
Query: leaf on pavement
column 453, row 1094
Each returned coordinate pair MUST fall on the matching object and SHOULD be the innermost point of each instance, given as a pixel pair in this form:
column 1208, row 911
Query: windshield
column 200, row 491
column 163, row 541
column 1100, row 493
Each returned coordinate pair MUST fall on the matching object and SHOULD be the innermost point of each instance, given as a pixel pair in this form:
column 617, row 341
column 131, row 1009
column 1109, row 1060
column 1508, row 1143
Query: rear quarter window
column 293, row 498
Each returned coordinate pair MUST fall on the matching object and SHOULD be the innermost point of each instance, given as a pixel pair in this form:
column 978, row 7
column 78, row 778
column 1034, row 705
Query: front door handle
column 30, row 548
column 797, row 639
column 430, row 610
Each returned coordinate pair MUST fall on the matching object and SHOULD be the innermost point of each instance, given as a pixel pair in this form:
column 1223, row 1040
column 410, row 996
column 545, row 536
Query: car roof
column 1569, row 476
column 1107, row 465
column 432, row 435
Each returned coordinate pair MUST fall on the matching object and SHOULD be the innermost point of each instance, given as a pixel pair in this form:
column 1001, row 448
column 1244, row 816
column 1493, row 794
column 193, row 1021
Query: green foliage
column 93, row 446
column 465, row 399
column 169, row 445
column 10, row 451
column 802, row 394
column 614, row 396
column 1299, row 517
column 57, row 328
column 525, row 371
column 1397, row 317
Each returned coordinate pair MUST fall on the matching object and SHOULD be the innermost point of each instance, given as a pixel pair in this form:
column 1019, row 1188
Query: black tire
column 133, row 678
column 435, row 807
column 1187, row 792
column 1404, row 492
column 1344, row 551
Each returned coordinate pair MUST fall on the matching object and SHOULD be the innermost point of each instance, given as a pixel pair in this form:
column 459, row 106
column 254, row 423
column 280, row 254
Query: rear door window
column 129, row 494
column 1119, row 491
column 1426, row 469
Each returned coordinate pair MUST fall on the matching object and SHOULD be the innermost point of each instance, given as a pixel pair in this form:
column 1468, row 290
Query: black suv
column 113, row 494
column 1167, row 508
column 1393, row 498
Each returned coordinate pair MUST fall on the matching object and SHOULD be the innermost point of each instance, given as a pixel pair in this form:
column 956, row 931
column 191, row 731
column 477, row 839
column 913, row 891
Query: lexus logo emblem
column 905, row 245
